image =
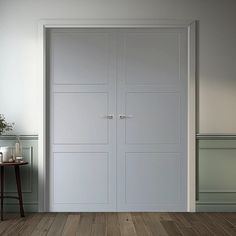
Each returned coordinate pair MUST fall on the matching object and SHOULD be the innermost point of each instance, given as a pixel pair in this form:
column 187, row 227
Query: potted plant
column 5, row 126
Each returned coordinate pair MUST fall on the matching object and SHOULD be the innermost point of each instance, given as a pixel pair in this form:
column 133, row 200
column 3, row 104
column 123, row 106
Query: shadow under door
column 118, row 119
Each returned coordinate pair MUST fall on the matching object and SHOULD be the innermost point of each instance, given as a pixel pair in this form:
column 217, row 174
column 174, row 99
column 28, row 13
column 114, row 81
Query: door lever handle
column 125, row 116
column 109, row 117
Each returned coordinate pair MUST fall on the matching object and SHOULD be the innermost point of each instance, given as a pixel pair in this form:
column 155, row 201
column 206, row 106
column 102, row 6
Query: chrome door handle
column 125, row 116
column 109, row 117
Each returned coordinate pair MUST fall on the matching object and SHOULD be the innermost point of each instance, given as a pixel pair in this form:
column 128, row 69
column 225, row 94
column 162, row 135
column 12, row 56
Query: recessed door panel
column 154, row 118
column 148, row 181
column 80, row 178
column 86, row 62
column 80, row 118
column 151, row 58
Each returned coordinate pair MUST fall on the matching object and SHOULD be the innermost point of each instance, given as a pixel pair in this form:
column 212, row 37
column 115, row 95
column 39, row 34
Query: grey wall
column 19, row 95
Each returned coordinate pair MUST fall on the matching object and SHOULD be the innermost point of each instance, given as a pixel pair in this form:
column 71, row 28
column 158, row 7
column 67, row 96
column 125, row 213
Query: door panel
column 86, row 62
column 148, row 181
column 83, row 128
column 155, row 118
column 151, row 58
column 84, row 179
column 79, row 118
column 152, row 128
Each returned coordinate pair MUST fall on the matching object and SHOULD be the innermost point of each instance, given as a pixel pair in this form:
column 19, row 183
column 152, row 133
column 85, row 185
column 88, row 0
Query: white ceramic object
column 7, row 153
column 19, row 159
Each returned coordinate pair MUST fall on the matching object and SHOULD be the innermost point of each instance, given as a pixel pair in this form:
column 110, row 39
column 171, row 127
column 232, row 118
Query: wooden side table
column 18, row 184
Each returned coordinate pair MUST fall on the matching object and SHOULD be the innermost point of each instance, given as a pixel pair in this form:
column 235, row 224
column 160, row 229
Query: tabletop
column 13, row 163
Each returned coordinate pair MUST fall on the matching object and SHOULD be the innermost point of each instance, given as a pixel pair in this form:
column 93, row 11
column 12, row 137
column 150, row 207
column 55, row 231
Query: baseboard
column 217, row 207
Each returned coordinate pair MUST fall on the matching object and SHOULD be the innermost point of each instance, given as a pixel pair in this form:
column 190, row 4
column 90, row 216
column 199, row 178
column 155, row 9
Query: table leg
column 2, row 190
column 18, row 183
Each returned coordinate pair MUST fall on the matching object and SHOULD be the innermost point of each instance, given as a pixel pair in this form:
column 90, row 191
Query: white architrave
column 190, row 25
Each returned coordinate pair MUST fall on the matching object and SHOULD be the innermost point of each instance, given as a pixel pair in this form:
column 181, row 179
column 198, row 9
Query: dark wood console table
column 16, row 166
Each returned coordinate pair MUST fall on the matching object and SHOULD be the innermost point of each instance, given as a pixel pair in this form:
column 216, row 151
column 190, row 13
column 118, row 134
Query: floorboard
column 120, row 224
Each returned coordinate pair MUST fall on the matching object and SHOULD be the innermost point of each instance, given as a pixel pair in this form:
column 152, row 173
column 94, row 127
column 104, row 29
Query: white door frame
column 190, row 25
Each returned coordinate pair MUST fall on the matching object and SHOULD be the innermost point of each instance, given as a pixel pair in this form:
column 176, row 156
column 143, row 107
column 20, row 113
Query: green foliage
column 5, row 126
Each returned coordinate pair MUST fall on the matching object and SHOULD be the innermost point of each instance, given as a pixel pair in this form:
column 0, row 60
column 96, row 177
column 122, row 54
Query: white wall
column 19, row 94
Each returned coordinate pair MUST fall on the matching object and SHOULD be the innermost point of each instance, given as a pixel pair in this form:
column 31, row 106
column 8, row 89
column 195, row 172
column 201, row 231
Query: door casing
column 190, row 25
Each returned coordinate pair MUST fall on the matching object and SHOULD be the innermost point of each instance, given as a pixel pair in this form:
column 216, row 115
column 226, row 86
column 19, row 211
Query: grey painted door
column 83, row 127
column 118, row 119
column 152, row 122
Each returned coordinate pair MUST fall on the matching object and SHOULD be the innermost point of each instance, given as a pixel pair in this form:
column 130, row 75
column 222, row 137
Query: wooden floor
column 120, row 224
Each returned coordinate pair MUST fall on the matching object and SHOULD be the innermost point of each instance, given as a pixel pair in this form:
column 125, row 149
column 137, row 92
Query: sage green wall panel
column 216, row 208
column 29, row 175
column 214, row 197
column 217, row 175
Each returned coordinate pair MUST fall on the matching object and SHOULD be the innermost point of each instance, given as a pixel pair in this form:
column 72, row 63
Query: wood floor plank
column 100, row 218
column 8, row 218
column 191, row 220
column 112, row 225
column 171, row 228
column 99, row 224
column 58, row 224
column 164, row 216
column 191, row 217
column 227, row 226
column 211, row 224
column 30, row 224
column 186, row 231
column 71, row 225
column 85, row 224
column 126, row 224
column 98, row 229
column 112, row 218
column 178, row 217
column 140, row 227
column 223, row 216
column 15, row 226
column 153, row 224
column 152, row 220
column 184, row 226
column 44, row 225
column 231, row 218
column 201, row 229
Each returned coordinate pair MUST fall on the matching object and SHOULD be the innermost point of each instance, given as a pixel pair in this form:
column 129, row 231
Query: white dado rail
column 29, row 173
column 216, row 175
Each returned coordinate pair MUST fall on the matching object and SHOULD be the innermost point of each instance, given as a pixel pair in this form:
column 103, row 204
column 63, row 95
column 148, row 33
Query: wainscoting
column 29, row 174
column 216, row 168
column 216, row 186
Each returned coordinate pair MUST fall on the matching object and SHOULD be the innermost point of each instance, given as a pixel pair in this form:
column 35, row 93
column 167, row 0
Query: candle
column 17, row 147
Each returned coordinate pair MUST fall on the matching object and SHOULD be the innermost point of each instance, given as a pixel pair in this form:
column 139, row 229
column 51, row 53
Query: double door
column 118, row 119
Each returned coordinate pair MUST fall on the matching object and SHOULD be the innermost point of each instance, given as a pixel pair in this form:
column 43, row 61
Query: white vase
column 6, row 153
